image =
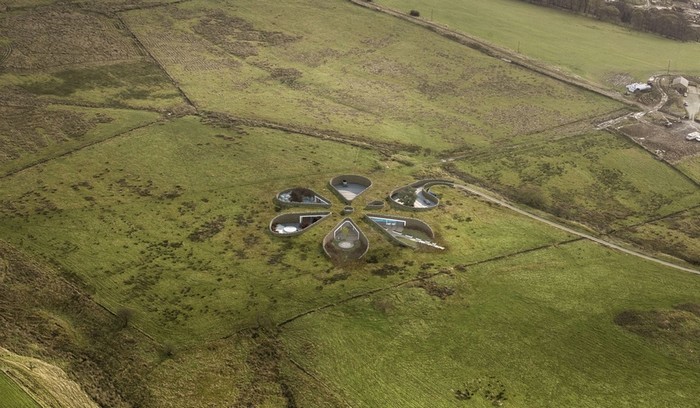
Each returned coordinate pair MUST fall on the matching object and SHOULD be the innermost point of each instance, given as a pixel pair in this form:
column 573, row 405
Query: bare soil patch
column 433, row 288
column 619, row 79
column 667, row 143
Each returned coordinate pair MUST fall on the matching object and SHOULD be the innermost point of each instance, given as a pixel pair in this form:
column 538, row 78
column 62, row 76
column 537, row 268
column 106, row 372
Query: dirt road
column 693, row 101
column 488, row 197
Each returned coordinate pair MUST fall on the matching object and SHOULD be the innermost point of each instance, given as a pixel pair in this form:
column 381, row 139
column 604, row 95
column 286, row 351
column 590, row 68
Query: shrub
column 406, row 196
column 414, row 13
column 298, row 194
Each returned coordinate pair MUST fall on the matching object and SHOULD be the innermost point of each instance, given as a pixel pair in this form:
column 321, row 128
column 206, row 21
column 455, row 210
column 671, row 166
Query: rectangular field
column 691, row 167
column 182, row 217
column 338, row 67
column 33, row 134
column 542, row 328
column 678, row 235
column 603, row 52
column 599, row 179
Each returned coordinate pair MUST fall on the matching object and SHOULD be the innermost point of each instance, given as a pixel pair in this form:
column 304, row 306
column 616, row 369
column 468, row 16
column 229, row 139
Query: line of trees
column 669, row 23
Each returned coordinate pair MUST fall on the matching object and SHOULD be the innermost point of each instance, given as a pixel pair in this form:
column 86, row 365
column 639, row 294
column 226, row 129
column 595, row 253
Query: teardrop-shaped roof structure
column 404, row 231
column 348, row 187
column 292, row 224
column 301, row 196
column 345, row 242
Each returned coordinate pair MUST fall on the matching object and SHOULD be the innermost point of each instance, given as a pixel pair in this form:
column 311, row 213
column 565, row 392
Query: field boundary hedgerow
column 143, row 48
column 564, row 228
column 653, row 220
column 76, row 149
column 224, row 119
column 424, row 278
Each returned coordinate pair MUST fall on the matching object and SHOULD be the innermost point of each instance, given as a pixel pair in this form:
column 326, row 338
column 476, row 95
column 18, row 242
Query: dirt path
column 488, row 197
column 693, row 101
column 638, row 115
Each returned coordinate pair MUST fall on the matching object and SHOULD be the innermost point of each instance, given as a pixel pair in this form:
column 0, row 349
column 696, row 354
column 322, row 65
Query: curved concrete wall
column 411, row 223
column 294, row 218
column 425, row 186
column 283, row 203
column 350, row 178
column 343, row 255
column 427, row 183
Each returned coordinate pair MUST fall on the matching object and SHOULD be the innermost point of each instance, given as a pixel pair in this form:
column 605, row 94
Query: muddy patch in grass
column 433, row 288
column 673, row 331
column 237, row 36
column 208, row 229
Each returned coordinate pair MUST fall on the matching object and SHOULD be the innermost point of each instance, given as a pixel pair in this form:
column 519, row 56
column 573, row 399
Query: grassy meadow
column 75, row 56
column 31, row 134
column 691, row 167
column 676, row 235
column 13, row 396
column 598, row 179
column 540, row 326
column 135, row 250
column 601, row 52
column 337, row 67
column 180, row 179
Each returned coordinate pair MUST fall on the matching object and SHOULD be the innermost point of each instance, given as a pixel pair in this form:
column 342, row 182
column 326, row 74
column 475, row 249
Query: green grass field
column 541, row 324
column 676, row 235
column 601, row 50
column 691, row 167
column 598, row 179
column 13, row 396
column 30, row 135
column 174, row 178
column 335, row 66
column 125, row 85
column 135, row 249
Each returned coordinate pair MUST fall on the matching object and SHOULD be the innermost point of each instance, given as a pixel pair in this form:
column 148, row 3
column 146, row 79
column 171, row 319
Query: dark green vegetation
column 81, row 57
column 676, row 234
column 667, row 22
column 600, row 179
column 676, row 331
column 135, row 79
column 137, row 256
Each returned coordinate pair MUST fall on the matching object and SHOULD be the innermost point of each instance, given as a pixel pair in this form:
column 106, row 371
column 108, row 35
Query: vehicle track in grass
column 492, row 198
